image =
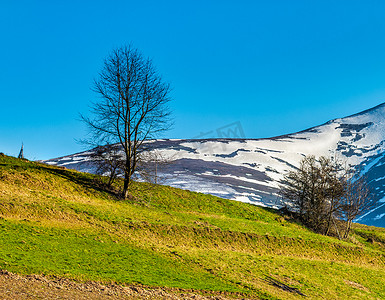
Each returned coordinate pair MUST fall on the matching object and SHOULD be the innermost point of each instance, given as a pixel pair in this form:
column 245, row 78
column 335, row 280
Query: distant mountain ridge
column 249, row 170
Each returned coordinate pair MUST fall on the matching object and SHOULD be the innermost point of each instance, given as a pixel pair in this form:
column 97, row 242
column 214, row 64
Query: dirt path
column 13, row 286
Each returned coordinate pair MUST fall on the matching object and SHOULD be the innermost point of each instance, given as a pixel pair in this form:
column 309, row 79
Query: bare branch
column 132, row 106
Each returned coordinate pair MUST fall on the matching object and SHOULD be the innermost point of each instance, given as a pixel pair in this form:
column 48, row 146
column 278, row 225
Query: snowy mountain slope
column 249, row 169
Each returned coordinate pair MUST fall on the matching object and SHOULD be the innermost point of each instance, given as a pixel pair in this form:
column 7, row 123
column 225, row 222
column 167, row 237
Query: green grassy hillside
column 58, row 222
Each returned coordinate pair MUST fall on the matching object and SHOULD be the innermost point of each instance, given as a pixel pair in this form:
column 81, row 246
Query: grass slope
column 57, row 222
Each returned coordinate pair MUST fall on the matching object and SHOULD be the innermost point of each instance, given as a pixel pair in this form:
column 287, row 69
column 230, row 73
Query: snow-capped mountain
column 249, row 170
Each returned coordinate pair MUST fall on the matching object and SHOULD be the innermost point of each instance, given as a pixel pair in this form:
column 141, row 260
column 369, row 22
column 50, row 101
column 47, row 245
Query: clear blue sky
column 275, row 66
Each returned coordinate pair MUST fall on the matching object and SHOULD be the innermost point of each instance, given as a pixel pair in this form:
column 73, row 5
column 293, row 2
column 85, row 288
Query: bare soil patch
column 14, row 286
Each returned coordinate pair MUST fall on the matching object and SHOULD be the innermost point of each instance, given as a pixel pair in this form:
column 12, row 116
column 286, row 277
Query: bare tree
column 151, row 164
column 356, row 200
column 334, row 177
column 133, row 106
column 108, row 161
column 323, row 190
column 303, row 191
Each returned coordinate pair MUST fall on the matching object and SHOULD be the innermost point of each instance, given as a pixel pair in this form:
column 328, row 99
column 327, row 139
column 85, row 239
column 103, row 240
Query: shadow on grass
column 88, row 181
column 278, row 284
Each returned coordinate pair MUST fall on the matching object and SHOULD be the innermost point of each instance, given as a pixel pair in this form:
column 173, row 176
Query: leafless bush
column 323, row 191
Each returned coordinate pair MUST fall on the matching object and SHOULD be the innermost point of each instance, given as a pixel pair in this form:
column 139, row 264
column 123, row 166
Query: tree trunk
column 329, row 221
column 335, row 225
column 126, row 185
column 327, row 228
column 348, row 226
column 127, row 176
column 112, row 177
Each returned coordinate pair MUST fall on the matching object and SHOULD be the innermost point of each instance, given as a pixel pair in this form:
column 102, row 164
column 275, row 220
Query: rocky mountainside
column 249, row 170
